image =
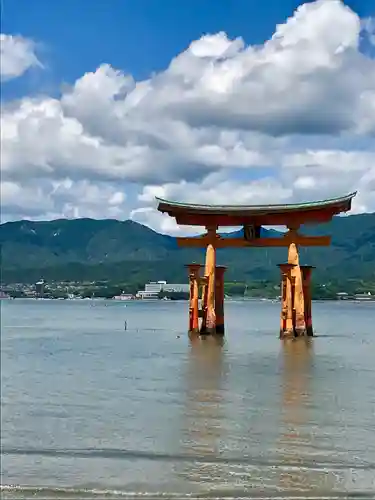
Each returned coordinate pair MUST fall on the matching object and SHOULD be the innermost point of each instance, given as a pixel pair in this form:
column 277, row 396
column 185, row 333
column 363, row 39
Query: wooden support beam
column 219, row 298
column 194, row 297
column 306, row 281
column 284, row 241
column 287, row 295
column 313, row 217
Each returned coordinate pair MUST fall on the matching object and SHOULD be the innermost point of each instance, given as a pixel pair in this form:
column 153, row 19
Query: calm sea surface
column 91, row 410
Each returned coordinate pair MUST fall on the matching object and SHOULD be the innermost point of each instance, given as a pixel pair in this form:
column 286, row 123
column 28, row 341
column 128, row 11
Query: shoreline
column 228, row 299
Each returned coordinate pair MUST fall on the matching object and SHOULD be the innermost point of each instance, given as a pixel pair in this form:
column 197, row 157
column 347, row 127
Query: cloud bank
column 292, row 119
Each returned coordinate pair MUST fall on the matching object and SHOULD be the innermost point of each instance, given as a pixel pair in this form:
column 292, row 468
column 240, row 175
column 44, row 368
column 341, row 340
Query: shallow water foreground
column 91, row 410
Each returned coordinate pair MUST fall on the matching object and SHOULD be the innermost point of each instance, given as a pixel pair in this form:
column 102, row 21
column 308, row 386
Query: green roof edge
column 290, row 206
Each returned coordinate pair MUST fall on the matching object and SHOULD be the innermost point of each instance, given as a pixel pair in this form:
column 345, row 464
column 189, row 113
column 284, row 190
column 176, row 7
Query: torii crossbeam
column 296, row 294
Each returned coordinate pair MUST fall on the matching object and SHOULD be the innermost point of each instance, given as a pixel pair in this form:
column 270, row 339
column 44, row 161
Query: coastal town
column 158, row 290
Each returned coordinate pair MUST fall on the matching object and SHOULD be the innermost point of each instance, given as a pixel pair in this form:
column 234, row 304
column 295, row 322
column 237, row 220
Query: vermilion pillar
column 203, row 311
column 209, row 273
column 219, row 298
column 298, row 298
column 306, row 282
column 194, row 297
column 287, row 319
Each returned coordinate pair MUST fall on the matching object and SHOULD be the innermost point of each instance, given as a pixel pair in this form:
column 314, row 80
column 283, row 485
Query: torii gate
column 296, row 319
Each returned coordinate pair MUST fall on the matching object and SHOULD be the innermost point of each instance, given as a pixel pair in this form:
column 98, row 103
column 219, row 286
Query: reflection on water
column 208, row 433
column 297, row 365
column 203, row 420
column 296, row 444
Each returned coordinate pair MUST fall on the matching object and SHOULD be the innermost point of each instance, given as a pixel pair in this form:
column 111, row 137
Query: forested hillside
column 86, row 249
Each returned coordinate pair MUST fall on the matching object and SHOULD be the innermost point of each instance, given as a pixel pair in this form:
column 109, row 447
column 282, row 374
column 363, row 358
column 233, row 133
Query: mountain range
column 90, row 250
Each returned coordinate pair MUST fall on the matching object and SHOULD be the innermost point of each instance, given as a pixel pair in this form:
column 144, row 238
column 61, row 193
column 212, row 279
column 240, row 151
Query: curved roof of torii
column 280, row 214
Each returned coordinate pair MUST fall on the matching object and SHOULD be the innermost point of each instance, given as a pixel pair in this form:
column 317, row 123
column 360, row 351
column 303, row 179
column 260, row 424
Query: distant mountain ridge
column 88, row 249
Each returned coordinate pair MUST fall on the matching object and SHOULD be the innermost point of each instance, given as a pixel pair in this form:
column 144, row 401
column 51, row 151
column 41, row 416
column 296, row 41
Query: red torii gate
column 296, row 317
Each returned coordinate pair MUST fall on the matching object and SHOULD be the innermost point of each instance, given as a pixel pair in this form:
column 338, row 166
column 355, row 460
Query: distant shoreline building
column 123, row 296
column 40, row 288
column 364, row 296
column 154, row 288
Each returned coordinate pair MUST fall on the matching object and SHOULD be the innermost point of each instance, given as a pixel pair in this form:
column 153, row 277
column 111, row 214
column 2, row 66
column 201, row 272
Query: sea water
column 90, row 409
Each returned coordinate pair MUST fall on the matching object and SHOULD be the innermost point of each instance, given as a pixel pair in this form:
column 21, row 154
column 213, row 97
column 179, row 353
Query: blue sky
column 139, row 36
column 95, row 47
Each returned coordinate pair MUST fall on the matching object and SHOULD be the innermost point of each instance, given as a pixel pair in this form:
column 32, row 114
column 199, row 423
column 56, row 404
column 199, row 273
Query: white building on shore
column 153, row 289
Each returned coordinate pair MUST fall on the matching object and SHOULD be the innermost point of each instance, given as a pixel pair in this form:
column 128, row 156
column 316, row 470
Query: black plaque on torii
column 251, row 232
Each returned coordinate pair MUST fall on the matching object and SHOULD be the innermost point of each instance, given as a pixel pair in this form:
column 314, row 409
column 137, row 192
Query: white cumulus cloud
column 17, row 55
